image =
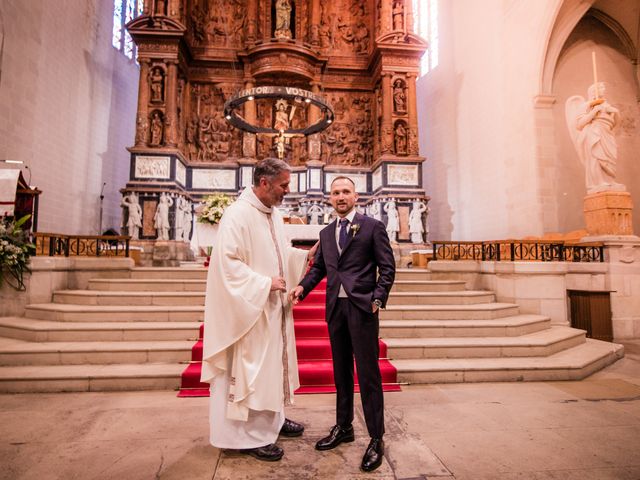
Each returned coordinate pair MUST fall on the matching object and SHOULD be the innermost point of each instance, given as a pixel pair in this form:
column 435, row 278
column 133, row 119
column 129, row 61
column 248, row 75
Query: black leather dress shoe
column 373, row 455
column 268, row 453
column 336, row 436
column 291, row 428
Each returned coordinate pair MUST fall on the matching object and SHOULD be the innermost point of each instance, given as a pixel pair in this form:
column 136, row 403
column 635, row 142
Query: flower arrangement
column 15, row 250
column 213, row 208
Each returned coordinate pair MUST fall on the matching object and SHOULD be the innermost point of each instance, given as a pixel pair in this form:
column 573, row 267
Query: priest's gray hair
column 269, row 168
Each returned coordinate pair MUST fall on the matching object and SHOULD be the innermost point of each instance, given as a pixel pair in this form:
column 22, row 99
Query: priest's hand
column 294, row 294
column 278, row 283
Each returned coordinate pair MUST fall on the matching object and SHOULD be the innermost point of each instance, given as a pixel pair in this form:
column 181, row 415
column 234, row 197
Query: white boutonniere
column 354, row 229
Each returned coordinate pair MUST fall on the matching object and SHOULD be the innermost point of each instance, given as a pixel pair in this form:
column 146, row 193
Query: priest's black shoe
column 291, row 428
column 336, row 436
column 373, row 455
column 268, row 453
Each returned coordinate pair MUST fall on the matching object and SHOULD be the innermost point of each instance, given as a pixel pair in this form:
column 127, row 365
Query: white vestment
column 249, row 352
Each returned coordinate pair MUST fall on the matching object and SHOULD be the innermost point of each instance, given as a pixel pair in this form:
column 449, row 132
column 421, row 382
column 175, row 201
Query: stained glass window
column 426, row 18
column 124, row 11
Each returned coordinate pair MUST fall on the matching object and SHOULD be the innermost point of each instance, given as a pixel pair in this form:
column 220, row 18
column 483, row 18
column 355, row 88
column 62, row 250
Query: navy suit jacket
column 366, row 268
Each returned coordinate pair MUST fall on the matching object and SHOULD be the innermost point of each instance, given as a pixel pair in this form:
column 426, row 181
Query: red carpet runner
column 314, row 353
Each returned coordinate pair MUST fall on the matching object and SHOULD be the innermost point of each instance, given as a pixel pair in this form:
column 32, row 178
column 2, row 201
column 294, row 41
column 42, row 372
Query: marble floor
column 587, row 430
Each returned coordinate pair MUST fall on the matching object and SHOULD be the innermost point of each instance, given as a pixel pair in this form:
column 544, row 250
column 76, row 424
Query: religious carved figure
column 393, row 220
column 399, row 97
column 416, row 226
column 156, row 129
column 283, row 19
column 314, row 212
column 187, row 219
column 400, row 139
column 374, row 210
column 134, row 217
column 398, row 15
column 282, row 119
column 161, row 217
column 591, row 125
column 157, row 82
column 142, row 127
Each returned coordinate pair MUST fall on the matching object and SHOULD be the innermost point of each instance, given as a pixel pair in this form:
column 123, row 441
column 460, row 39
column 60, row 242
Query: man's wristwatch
column 378, row 303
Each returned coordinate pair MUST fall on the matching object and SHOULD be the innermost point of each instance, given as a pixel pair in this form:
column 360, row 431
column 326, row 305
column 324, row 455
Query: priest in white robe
column 249, row 355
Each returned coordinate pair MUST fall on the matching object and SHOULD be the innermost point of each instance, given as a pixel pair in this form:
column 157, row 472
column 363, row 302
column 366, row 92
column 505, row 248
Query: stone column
column 408, row 17
column 142, row 119
column 171, row 114
column 314, row 24
column 412, row 140
column 387, row 109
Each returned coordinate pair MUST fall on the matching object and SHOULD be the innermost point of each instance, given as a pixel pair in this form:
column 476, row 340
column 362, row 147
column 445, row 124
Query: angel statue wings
column 591, row 123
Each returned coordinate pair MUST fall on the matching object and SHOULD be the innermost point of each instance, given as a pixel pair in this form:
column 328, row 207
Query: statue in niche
column 161, row 217
column 156, row 129
column 393, row 220
column 591, row 124
column 179, row 220
column 134, row 217
column 190, row 136
column 399, row 97
column 416, row 226
column 398, row 15
column 187, row 219
column 161, row 7
column 282, row 118
column 283, row 19
column 400, row 139
column 157, row 82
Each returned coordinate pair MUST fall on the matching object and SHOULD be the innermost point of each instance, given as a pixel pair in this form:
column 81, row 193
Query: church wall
column 573, row 76
column 67, row 109
column 483, row 172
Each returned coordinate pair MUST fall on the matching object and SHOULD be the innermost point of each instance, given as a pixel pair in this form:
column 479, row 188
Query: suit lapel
column 332, row 247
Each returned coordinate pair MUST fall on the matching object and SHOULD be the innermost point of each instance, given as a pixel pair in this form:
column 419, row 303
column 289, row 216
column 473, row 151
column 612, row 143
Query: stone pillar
column 412, row 103
column 387, row 109
column 252, row 22
column 314, row 24
column 171, row 114
column 408, row 17
column 142, row 119
column 609, row 213
column 249, row 139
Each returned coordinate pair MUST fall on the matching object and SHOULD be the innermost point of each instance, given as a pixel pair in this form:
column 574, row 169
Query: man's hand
column 278, row 283
column 294, row 294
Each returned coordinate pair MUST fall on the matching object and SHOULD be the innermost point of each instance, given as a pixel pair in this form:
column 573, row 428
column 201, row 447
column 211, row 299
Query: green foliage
column 15, row 251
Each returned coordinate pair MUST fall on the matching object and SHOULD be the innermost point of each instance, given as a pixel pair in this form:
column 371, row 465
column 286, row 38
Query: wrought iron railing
column 55, row 244
column 519, row 250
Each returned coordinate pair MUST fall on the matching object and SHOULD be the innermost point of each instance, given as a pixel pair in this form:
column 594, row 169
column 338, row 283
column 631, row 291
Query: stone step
column 109, row 297
column 62, row 312
column 440, row 298
column 32, row 330
column 151, row 285
column 500, row 327
column 542, row 343
column 412, row 274
column 20, row 353
column 573, row 364
column 90, row 378
column 428, row 286
column 449, row 312
column 182, row 273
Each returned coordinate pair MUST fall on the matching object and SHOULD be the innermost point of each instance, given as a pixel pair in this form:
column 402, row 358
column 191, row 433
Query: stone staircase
column 137, row 333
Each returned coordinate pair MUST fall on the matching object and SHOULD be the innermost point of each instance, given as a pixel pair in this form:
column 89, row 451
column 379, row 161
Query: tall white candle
column 595, row 74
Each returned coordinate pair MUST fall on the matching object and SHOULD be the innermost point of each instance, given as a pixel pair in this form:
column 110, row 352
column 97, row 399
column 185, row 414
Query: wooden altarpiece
column 361, row 56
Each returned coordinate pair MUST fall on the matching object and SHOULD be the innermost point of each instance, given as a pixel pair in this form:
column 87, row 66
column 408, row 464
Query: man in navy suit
column 356, row 257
